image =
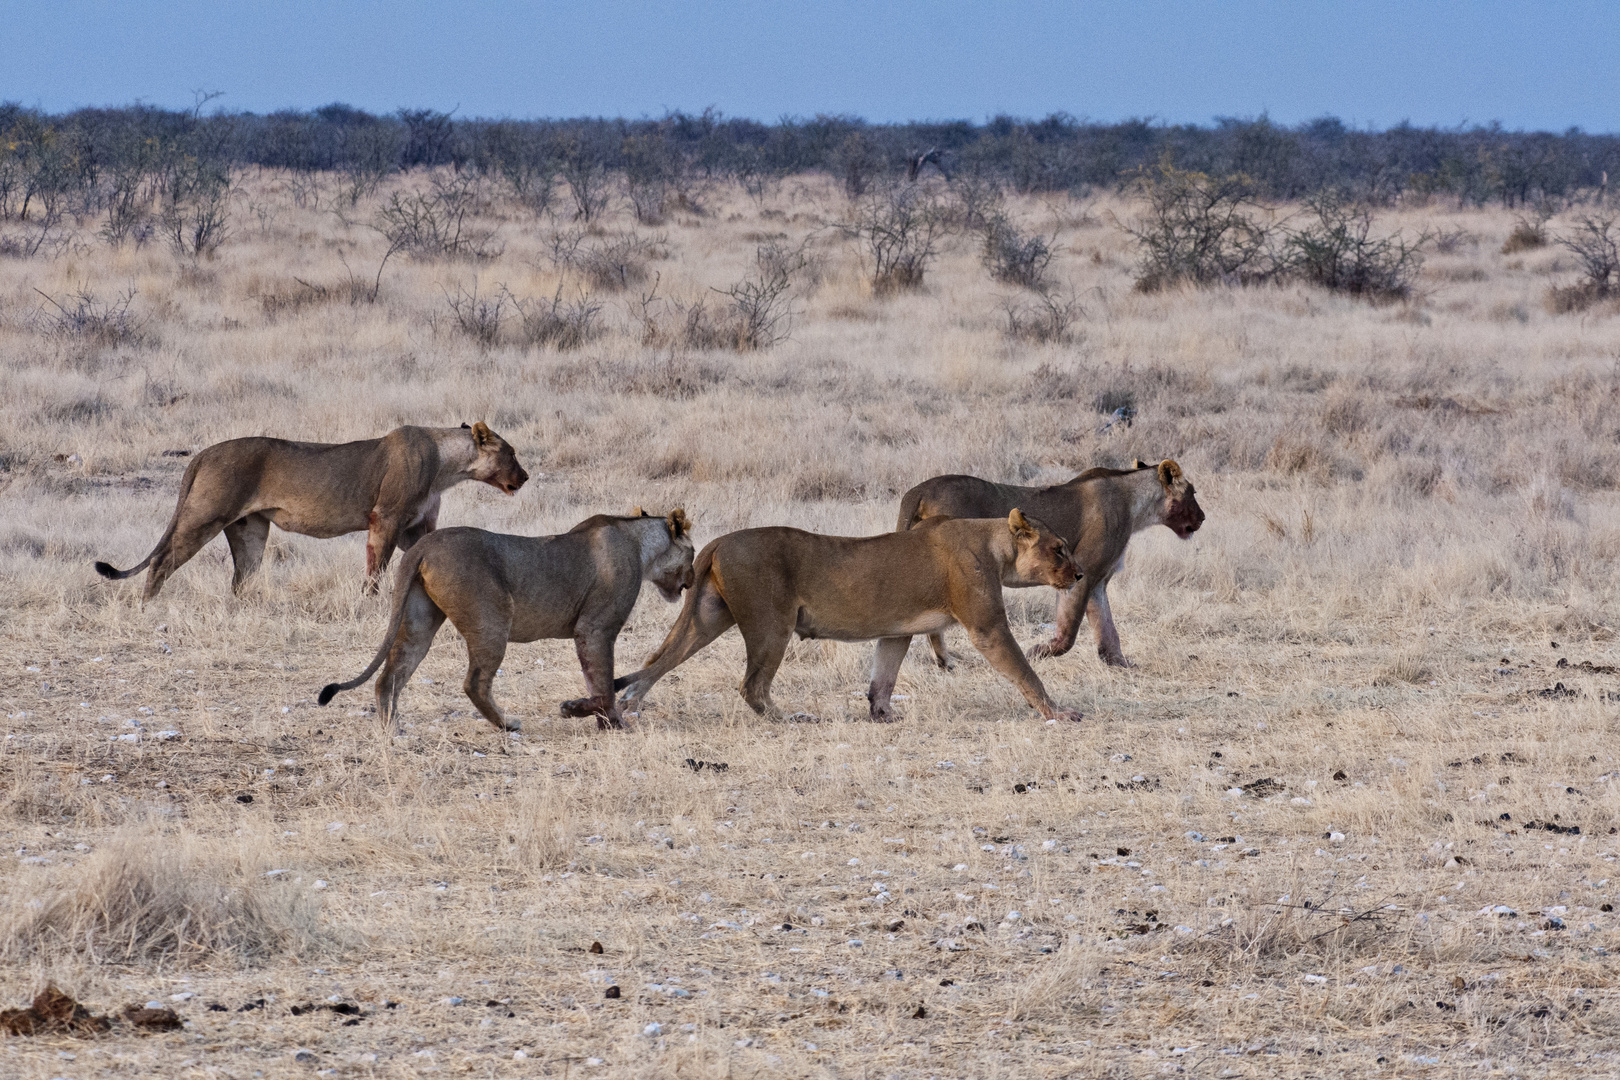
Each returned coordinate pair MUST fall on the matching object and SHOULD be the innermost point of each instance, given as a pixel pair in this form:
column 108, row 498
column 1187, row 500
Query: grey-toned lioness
column 388, row 486
column 498, row 588
column 771, row 583
column 1097, row 513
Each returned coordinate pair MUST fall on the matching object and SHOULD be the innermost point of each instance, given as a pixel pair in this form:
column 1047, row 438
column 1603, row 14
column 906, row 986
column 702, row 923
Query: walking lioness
column 388, row 486
column 772, row 583
column 497, row 589
column 1097, row 513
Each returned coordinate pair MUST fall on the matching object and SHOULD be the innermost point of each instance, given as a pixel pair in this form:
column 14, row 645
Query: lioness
column 1097, row 512
column 774, row 582
column 498, row 588
column 389, row 486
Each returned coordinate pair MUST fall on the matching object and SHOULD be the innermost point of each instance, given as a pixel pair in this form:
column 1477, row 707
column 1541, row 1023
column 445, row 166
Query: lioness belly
column 871, row 627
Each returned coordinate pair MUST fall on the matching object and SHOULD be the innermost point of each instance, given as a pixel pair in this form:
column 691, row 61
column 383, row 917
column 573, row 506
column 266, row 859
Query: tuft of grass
column 149, row 900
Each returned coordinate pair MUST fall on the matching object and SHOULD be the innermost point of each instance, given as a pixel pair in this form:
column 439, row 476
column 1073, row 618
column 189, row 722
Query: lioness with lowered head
column 388, row 486
column 771, row 583
column 1097, row 513
column 498, row 589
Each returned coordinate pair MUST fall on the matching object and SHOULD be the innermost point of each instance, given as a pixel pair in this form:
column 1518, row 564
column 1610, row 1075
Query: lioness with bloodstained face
column 1097, row 513
column 388, row 486
column 497, row 589
column 775, row 582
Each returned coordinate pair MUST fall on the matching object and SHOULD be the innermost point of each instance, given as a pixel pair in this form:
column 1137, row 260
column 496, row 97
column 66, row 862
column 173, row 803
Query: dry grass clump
column 152, row 900
column 1528, row 233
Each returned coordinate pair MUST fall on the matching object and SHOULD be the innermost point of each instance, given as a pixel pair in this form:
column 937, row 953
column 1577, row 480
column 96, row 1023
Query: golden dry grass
column 1408, row 506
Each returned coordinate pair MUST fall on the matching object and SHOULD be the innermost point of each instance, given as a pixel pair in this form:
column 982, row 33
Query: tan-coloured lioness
column 772, row 583
column 1097, row 513
column 498, row 588
column 388, row 486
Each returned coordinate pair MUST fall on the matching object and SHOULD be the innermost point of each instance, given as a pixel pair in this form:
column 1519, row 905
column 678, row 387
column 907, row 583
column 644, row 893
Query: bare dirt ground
column 1352, row 813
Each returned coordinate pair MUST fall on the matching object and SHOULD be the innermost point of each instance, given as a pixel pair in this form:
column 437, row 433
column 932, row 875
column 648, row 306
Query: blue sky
column 1542, row 65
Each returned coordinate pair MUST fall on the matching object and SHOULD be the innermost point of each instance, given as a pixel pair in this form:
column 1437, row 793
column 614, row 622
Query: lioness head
column 496, row 464
column 671, row 569
column 1181, row 510
column 1043, row 556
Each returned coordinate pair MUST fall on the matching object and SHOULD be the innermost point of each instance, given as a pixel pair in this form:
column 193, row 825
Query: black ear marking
column 466, row 427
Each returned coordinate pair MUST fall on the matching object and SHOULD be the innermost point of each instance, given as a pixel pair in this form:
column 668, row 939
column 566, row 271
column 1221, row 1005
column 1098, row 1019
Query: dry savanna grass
column 1326, row 826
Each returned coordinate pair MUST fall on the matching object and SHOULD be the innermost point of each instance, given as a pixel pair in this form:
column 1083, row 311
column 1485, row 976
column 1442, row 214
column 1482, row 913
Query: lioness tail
column 405, row 578
column 112, row 573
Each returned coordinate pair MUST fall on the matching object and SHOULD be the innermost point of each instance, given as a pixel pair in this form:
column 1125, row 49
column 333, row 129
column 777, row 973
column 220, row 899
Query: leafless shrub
column 975, row 202
column 1048, row 319
column 145, row 903
column 1451, row 241
column 437, row 223
column 761, row 304
column 584, row 171
column 479, row 317
column 757, row 312
column 1339, row 252
column 1529, row 233
column 856, row 162
column 43, row 234
column 83, row 318
column 292, row 298
column 196, row 206
column 1014, row 257
column 127, row 204
column 556, row 323
column 899, row 230
column 654, row 175
column 1203, row 230
column 1596, row 245
column 612, row 264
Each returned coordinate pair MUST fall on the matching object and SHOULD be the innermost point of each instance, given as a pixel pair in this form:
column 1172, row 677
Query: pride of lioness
column 498, row 589
column 774, row 582
column 1097, row 512
column 388, row 486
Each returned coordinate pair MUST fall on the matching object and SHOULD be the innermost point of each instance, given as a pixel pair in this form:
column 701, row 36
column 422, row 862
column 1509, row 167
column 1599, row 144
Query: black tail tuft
column 328, row 692
column 621, row 682
column 108, row 570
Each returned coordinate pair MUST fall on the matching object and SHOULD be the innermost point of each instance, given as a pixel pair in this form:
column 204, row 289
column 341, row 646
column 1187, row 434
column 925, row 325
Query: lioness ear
column 1169, row 472
column 465, row 426
column 1019, row 525
column 679, row 526
column 1140, row 464
column 637, row 511
column 482, row 434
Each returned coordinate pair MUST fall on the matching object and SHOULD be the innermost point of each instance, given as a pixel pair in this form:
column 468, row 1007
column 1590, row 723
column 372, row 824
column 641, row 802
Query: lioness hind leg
column 704, row 618
column 418, row 625
column 886, row 662
column 247, row 537
column 766, row 646
column 190, row 537
column 942, row 655
column 484, row 654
